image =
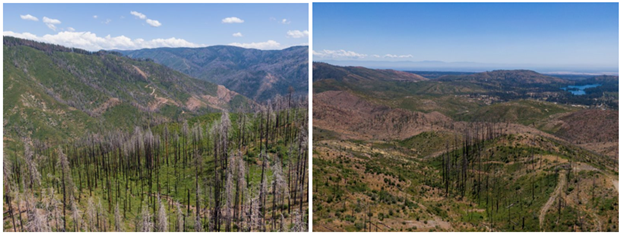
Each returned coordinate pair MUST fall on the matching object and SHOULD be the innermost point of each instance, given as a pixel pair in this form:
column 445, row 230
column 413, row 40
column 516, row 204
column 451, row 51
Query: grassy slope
column 404, row 190
column 525, row 112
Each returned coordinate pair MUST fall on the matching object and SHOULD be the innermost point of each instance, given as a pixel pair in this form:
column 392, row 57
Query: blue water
column 579, row 90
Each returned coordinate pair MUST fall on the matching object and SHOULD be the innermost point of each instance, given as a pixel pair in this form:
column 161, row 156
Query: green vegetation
column 60, row 93
column 492, row 151
column 525, row 112
column 505, row 182
column 258, row 74
column 227, row 164
column 95, row 141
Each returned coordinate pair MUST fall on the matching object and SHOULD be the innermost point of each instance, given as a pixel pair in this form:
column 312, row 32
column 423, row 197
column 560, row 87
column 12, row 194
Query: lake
column 579, row 90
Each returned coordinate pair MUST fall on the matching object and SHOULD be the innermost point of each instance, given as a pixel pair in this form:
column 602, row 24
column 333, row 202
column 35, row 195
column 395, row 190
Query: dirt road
column 552, row 198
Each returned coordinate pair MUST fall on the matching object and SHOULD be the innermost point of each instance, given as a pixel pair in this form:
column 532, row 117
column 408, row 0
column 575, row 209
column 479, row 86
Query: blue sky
column 510, row 34
column 132, row 26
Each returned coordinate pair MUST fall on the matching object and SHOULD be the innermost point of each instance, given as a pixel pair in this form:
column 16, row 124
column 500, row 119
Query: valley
column 258, row 74
column 503, row 150
column 97, row 141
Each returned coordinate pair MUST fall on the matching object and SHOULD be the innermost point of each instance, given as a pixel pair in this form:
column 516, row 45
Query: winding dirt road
column 553, row 196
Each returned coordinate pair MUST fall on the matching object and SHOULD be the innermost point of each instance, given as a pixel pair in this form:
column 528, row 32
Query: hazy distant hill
column 257, row 74
column 603, row 79
column 508, row 77
column 359, row 74
column 58, row 92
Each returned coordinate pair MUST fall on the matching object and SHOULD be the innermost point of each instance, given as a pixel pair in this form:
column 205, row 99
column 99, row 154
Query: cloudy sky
column 132, row 26
column 577, row 34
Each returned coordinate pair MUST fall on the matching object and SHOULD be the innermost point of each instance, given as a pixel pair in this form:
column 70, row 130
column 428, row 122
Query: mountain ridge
column 51, row 90
column 359, row 73
column 258, row 74
column 508, row 76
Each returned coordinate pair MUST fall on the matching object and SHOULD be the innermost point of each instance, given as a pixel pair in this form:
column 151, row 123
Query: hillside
column 354, row 117
column 57, row 92
column 588, row 126
column 257, row 74
column 517, row 182
column 360, row 74
column 491, row 152
column 99, row 142
column 525, row 112
column 602, row 79
column 596, row 130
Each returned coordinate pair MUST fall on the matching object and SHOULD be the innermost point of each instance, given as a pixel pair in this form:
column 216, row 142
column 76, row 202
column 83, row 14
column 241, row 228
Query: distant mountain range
column 476, row 67
column 507, row 76
column 59, row 92
column 257, row 74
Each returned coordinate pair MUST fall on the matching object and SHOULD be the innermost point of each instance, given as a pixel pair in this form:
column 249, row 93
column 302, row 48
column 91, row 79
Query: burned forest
column 240, row 171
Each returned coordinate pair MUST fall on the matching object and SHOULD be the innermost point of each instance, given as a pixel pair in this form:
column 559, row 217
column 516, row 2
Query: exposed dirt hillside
column 357, row 118
column 353, row 117
column 590, row 126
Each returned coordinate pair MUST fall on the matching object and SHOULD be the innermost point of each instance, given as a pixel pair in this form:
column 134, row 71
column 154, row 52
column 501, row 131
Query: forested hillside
column 56, row 92
column 257, row 74
column 95, row 141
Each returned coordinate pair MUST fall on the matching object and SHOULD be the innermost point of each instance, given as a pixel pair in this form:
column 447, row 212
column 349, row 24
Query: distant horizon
column 441, row 66
column 579, row 37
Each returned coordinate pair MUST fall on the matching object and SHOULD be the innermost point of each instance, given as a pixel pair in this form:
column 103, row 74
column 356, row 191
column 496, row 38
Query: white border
column 310, row 48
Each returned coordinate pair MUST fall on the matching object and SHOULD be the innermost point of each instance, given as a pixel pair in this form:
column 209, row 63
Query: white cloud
column 90, row 41
column 153, row 23
column 138, row 14
column 51, row 23
column 231, row 20
column 297, row 33
column 239, row 34
column 107, row 21
column 285, row 21
column 270, row 44
column 397, row 56
column 338, row 54
column 29, row 17
column 70, row 29
column 95, row 16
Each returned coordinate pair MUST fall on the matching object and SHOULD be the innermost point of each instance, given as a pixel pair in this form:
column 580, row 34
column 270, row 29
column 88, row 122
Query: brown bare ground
column 590, row 126
column 610, row 149
column 357, row 118
column 106, row 105
column 140, row 72
column 193, row 103
column 269, row 80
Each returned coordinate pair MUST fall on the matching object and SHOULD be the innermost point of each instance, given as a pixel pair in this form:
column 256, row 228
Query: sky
column 133, row 26
column 488, row 35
